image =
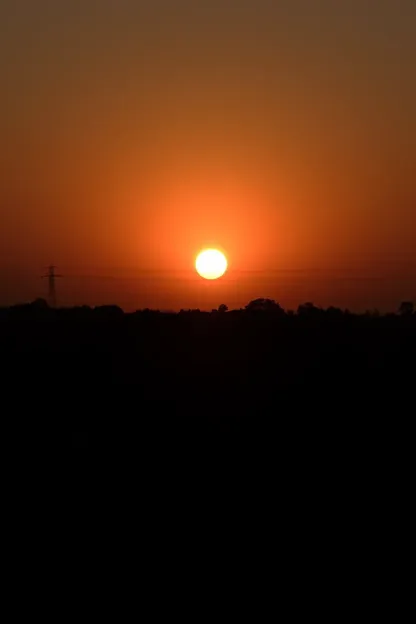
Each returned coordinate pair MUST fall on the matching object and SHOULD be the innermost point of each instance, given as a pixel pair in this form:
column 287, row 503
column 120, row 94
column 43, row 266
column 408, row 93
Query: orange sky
column 133, row 136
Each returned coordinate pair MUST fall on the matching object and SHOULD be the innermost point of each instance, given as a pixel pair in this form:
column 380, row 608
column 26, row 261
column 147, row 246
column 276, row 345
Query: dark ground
column 193, row 394
column 274, row 450
column 180, row 456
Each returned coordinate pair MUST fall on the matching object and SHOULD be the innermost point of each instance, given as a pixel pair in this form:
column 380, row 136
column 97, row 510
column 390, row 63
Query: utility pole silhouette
column 51, row 276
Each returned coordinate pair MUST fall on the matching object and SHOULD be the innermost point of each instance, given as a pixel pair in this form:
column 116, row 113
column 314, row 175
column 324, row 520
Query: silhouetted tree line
column 40, row 307
column 253, row 384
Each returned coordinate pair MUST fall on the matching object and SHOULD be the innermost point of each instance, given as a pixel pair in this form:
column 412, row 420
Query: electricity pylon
column 51, row 275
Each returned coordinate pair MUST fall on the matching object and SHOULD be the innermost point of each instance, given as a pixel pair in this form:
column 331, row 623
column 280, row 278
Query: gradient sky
column 135, row 133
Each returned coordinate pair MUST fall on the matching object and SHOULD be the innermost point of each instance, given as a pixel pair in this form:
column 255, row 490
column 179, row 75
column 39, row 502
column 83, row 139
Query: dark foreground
column 99, row 394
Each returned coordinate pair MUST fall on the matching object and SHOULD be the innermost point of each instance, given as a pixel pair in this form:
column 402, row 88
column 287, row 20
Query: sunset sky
column 136, row 133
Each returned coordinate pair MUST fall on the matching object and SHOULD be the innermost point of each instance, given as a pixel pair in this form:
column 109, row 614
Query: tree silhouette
column 223, row 308
column 308, row 309
column 406, row 308
column 264, row 305
column 334, row 312
column 40, row 304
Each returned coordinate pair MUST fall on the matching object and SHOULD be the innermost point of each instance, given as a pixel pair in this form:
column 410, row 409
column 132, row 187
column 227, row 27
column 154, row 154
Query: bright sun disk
column 211, row 264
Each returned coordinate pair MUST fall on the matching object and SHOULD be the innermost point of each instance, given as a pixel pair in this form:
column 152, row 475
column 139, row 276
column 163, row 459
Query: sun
column 211, row 264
